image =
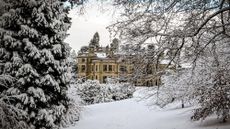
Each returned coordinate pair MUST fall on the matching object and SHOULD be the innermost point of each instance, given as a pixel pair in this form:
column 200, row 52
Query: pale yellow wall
column 93, row 73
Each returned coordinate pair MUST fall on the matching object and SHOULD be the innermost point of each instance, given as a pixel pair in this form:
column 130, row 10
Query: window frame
column 83, row 67
column 110, row 68
column 105, row 68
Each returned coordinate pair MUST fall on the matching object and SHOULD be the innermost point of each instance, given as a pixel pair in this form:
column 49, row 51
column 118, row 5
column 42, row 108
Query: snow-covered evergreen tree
column 32, row 51
column 10, row 115
column 94, row 42
column 2, row 7
column 115, row 45
column 5, row 82
column 84, row 49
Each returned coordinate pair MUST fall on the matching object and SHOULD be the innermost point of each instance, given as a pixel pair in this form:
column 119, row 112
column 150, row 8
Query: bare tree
column 173, row 24
column 188, row 31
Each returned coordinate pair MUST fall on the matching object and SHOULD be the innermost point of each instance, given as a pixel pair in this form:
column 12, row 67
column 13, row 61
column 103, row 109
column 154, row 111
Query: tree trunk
column 182, row 103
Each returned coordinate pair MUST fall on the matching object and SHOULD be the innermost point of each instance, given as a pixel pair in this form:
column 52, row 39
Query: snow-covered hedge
column 92, row 92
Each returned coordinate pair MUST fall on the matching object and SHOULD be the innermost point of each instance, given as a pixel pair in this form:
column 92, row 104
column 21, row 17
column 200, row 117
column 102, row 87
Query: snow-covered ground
column 133, row 114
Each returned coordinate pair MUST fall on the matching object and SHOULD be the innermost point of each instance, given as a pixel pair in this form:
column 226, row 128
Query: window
column 104, row 79
column 82, row 60
column 96, row 77
column 83, row 79
column 131, row 69
column 83, row 68
column 110, row 68
column 123, row 68
column 149, row 69
column 96, row 67
column 92, row 68
column 105, row 68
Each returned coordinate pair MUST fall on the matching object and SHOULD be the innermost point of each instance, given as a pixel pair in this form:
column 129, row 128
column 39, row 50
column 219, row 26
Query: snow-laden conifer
column 32, row 51
column 11, row 116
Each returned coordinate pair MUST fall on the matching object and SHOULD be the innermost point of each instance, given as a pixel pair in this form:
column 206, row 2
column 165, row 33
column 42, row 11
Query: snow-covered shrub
column 72, row 114
column 175, row 88
column 74, row 107
column 112, row 80
column 119, row 91
column 93, row 92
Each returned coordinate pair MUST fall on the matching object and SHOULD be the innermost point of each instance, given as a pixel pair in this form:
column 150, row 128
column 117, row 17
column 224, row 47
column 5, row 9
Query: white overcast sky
column 96, row 18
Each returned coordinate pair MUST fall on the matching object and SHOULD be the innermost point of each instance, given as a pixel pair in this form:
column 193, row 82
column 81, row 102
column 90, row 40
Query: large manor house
column 100, row 63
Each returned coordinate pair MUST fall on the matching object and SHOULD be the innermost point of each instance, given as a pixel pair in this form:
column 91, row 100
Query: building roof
column 164, row 61
column 101, row 55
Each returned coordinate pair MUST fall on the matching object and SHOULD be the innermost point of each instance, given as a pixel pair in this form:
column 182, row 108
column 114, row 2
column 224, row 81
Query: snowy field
column 133, row 114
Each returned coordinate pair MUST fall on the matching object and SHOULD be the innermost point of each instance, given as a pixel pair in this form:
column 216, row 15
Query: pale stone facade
column 100, row 64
